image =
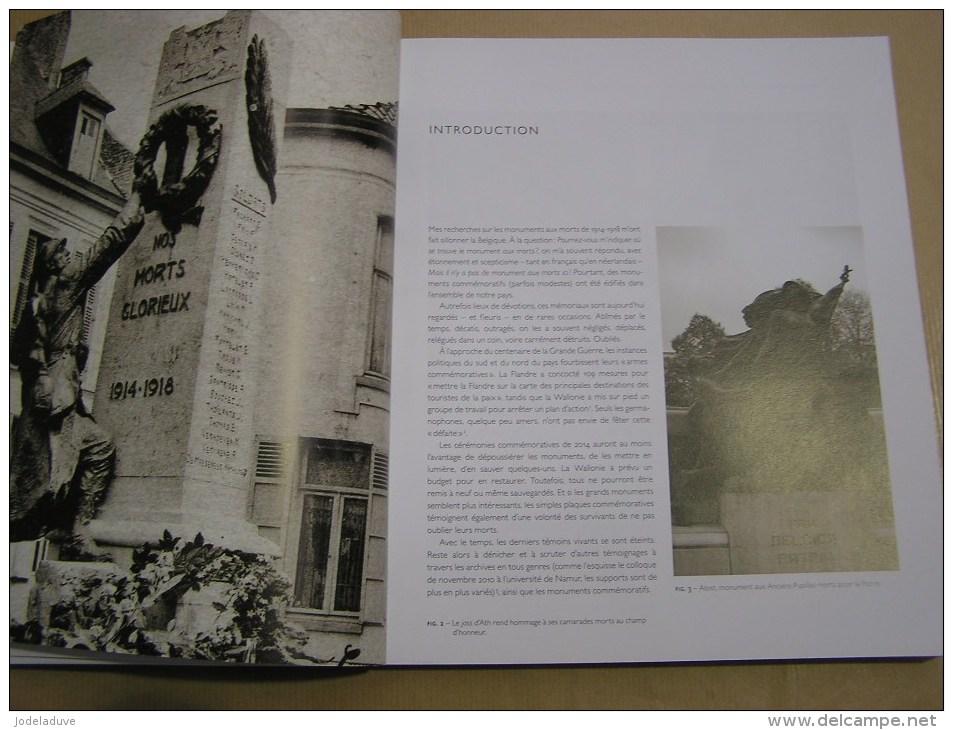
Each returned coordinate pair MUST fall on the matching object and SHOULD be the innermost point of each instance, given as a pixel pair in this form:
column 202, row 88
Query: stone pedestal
column 176, row 385
column 25, row 559
column 806, row 532
column 700, row 550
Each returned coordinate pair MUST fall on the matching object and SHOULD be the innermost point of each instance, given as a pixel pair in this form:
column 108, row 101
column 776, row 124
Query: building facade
column 68, row 174
column 322, row 414
column 318, row 491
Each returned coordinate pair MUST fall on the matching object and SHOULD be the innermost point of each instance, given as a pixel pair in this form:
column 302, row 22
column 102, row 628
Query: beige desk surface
column 917, row 47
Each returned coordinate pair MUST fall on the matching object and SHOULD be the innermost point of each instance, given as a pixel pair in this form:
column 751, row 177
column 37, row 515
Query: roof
column 38, row 55
column 82, row 89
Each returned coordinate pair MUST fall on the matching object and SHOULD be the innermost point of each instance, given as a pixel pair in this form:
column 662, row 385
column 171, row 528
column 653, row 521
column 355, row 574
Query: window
column 26, row 286
column 378, row 359
column 85, row 147
column 337, row 480
column 89, row 126
column 271, row 465
column 322, row 514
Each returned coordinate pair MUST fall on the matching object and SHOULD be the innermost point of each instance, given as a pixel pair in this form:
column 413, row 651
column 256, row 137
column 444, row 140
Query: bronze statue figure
column 770, row 415
column 61, row 460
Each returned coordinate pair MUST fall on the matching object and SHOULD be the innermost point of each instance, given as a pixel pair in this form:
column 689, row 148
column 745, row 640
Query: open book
column 622, row 362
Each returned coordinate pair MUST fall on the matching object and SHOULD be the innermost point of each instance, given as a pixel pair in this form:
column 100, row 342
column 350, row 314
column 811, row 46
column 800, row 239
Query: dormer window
column 70, row 119
column 89, row 126
column 85, row 148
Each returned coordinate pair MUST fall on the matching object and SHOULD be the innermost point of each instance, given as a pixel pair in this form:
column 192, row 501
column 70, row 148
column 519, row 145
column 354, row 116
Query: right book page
column 660, row 383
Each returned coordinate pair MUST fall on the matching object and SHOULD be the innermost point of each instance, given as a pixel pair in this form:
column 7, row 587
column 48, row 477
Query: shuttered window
column 338, row 478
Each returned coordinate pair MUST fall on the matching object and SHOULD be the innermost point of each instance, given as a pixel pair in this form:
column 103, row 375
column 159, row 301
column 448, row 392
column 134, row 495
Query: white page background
column 751, row 135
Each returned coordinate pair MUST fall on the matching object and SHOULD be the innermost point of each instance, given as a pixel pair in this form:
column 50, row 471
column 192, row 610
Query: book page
column 201, row 234
column 660, row 387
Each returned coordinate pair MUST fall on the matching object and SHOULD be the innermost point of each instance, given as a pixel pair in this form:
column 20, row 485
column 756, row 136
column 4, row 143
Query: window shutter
column 26, row 273
column 89, row 313
column 271, row 461
column 271, row 467
column 381, row 472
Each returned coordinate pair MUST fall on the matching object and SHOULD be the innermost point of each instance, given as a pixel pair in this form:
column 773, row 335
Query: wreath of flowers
column 180, row 196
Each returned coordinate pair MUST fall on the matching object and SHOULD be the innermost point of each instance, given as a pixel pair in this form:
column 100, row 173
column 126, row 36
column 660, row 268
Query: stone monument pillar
column 176, row 384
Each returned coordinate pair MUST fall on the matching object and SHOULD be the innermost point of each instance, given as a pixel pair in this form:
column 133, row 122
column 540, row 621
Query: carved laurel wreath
column 178, row 197
column 261, row 122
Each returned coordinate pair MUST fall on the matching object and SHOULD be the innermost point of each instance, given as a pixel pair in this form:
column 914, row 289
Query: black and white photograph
column 777, row 453
column 201, row 248
column 606, row 374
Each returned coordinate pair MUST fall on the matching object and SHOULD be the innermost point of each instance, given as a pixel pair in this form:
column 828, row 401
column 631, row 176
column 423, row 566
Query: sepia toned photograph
column 777, row 451
column 201, row 259
column 303, row 388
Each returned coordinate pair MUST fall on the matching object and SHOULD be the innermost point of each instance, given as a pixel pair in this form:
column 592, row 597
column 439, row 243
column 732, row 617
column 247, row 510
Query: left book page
column 201, row 239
